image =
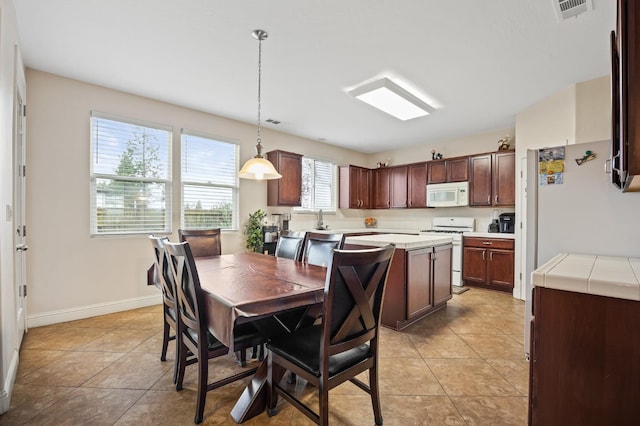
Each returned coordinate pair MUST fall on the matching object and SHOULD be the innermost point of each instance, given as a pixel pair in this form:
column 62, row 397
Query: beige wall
column 73, row 275
column 472, row 144
column 577, row 114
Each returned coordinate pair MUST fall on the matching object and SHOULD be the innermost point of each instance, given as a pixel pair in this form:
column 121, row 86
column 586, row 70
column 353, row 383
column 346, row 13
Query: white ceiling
column 481, row 61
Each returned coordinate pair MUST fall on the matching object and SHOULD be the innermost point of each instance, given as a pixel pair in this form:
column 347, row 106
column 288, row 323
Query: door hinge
column 24, row 110
column 520, row 276
column 24, row 230
column 23, row 291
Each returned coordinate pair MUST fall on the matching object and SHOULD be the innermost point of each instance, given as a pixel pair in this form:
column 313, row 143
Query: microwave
column 452, row 194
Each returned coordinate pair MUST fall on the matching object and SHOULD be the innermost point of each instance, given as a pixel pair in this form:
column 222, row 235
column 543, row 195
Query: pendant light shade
column 258, row 167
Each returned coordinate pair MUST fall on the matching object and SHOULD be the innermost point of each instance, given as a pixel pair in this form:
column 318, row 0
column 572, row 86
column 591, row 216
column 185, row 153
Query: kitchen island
column 419, row 280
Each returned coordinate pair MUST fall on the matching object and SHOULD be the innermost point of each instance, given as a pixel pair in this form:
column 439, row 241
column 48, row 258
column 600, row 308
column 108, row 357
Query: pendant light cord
column 259, row 145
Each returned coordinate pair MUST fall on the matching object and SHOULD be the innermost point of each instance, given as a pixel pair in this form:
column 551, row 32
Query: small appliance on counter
column 270, row 239
column 507, row 223
column 494, row 226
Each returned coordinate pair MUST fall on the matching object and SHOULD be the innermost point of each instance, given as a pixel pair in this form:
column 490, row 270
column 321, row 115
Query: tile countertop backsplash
column 393, row 220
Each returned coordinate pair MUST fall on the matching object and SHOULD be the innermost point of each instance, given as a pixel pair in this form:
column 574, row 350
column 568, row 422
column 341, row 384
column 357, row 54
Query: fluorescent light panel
column 388, row 97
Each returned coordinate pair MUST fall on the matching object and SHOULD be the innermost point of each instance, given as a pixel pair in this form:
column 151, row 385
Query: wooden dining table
column 257, row 288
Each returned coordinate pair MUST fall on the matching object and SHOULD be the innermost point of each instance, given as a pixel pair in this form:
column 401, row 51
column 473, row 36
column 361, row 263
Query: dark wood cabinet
column 584, row 367
column 355, row 187
column 398, row 187
column 625, row 97
column 419, row 284
column 287, row 190
column 488, row 263
column 390, row 187
column 417, row 185
column 504, row 179
column 382, row 188
column 492, row 179
column 448, row 170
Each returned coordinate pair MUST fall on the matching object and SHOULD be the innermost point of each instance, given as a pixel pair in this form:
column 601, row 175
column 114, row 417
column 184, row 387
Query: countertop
column 598, row 275
column 401, row 241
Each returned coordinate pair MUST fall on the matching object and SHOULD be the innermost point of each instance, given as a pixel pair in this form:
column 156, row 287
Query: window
column 318, row 185
column 130, row 177
column 209, row 182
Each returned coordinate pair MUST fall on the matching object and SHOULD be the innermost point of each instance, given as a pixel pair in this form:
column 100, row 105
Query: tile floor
column 463, row 365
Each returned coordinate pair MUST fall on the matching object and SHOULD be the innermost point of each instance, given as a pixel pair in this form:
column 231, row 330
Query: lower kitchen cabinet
column 584, row 367
column 488, row 263
column 419, row 283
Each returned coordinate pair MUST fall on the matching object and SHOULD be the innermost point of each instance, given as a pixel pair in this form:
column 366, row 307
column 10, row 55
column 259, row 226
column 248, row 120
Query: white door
column 19, row 144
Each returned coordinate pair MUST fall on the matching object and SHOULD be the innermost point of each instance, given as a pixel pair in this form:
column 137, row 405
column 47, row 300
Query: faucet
column 320, row 224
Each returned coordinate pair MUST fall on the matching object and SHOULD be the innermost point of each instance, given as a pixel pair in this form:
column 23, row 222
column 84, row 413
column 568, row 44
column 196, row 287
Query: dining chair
column 207, row 243
column 194, row 334
column 317, row 247
column 290, row 245
column 203, row 242
column 170, row 315
column 345, row 343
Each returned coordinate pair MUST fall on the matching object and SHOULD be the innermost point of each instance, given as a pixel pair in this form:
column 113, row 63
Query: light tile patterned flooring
column 463, row 365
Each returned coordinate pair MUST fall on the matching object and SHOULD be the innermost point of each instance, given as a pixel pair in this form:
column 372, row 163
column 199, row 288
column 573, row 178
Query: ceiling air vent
column 566, row 9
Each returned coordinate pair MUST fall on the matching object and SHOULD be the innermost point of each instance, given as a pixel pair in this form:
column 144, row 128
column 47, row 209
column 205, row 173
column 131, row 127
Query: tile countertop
column 489, row 235
column 401, row 241
column 598, row 275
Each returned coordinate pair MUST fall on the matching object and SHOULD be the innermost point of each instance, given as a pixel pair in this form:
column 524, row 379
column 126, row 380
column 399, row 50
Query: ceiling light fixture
column 388, row 97
column 258, row 167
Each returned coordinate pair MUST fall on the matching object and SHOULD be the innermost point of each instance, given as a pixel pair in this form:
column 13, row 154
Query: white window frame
column 235, row 187
column 94, row 176
column 334, row 189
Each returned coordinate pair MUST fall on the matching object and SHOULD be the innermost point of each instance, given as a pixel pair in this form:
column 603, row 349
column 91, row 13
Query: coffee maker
column 507, row 223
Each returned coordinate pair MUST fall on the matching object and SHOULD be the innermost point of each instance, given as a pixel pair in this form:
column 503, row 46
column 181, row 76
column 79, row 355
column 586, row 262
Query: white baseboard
column 88, row 311
column 5, row 393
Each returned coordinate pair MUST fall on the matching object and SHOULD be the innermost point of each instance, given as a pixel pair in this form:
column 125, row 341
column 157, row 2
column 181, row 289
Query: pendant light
column 258, row 167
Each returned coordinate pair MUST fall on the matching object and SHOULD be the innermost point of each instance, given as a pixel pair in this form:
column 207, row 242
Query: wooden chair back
column 290, row 245
column 353, row 299
column 318, row 247
column 163, row 271
column 202, row 242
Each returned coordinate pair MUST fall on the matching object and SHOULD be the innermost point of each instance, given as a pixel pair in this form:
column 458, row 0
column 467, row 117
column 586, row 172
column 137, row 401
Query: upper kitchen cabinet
column 417, row 185
column 382, row 188
column 625, row 93
column 448, row 170
column 493, row 179
column 286, row 191
column 355, row 187
column 390, row 187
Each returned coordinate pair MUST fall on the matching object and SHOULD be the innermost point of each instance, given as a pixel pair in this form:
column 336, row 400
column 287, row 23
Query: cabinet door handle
column 483, row 252
column 488, row 199
column 491, row 256
column 487, row 243
column 496, row 199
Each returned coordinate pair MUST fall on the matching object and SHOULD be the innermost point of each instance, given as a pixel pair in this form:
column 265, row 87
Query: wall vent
column 566, row 9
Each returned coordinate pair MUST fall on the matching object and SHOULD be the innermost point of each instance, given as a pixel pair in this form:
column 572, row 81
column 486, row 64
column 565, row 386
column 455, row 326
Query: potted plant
column 253, row 231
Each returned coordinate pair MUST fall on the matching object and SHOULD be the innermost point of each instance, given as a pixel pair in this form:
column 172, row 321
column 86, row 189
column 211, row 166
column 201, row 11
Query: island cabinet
column 448, row 170
column 286, row 191
column 419, row 283
column 390, row 187
column 488, row 263
column 416, row 185
column 492, row 180
column 355, row 187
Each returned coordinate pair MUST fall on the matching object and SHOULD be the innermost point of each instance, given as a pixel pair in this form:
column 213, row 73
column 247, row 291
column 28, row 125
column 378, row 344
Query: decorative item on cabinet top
column 503, row 144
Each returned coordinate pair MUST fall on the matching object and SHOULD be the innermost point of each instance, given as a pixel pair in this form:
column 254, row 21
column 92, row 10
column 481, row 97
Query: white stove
column 454, row 226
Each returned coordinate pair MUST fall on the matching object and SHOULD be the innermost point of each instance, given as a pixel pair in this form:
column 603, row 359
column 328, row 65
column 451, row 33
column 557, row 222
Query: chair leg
column 323, row 395
column 203, row 373
column 176, row 364
column 375, row 394
column 165, row 340
column 292, row 379
column 241, row 358
column 181, row 355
